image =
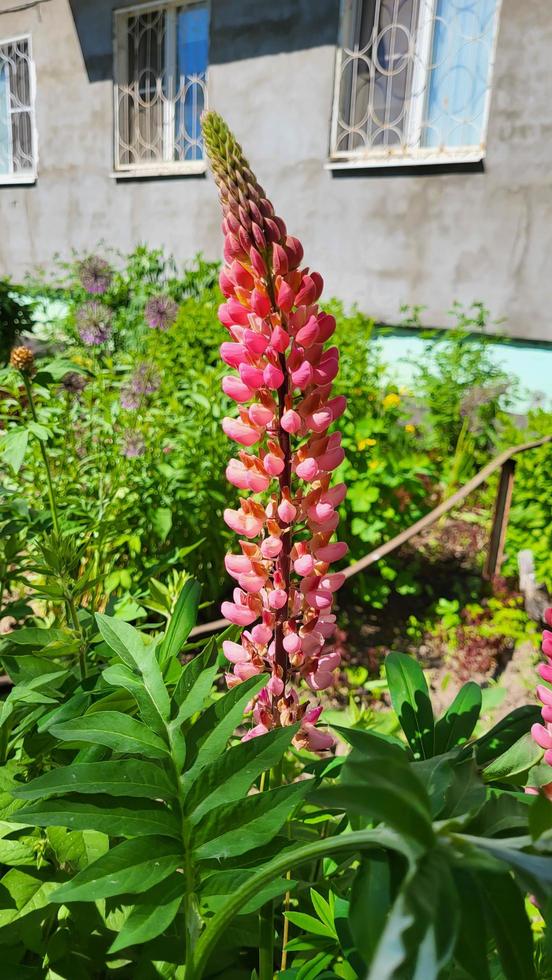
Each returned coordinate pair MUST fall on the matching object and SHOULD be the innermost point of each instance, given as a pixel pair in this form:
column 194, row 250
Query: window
column 17, row 125
column 413, row 81
column 160, row 87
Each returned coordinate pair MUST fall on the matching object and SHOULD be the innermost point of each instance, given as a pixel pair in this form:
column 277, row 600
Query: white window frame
column 410, row 154
column 29, row 176
column 120, row 53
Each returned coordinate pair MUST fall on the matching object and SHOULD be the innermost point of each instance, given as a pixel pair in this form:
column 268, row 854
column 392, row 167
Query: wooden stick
column 495, row 554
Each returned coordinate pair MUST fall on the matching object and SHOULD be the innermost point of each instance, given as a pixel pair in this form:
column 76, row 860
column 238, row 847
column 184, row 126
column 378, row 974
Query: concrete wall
column 379, row 240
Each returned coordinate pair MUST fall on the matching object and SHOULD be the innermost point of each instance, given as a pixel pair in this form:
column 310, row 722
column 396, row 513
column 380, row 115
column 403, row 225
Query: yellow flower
column 364, row 443
column 391, row 401
column 409, row 427
column 373, row 464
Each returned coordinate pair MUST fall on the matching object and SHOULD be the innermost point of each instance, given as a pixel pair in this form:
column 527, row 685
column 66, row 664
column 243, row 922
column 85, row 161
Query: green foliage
column 15, row 317
column 463, row 391
column 531, row 512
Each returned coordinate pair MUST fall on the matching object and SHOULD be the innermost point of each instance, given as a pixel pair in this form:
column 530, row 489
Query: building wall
column 379, row 240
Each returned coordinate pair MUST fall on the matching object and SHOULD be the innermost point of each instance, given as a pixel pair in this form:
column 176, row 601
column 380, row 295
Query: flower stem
column 283, row 561
column 45, row 460
column 83, row 645
column 266, row 942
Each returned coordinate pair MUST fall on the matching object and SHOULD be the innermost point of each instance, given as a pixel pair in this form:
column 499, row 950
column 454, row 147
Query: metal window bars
column 158, row 103
column 413, row 81
column 18, row 155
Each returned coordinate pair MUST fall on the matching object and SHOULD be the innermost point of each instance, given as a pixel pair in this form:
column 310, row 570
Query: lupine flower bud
column 276, row 344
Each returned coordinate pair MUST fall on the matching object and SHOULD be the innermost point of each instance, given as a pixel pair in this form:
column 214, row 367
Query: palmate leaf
column 125, row 818
column 220, row 884
column 460, row 718
column 139, row 656
column 230, row 776
column 182, row 620
column 114, row 730
column 471, row 946
column 378, row 782
column 411, row 701
column 238, row 827
column 370, row 902
column 208, row 737
column 533, row 871
column 505, row 909
column 128, row 778
column 505, row 733
column 515, row 761
column 195, row 682
column 133, row 866
column 152, row 914
column 420, row 933
column 118, row 675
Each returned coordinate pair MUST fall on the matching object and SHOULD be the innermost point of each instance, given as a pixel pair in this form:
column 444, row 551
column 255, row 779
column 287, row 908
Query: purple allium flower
column 160, row 312
column 146, row 379
column 95, row 274
column 133, row 444
column 94, row 323
column 129, row 398
column 73, row 383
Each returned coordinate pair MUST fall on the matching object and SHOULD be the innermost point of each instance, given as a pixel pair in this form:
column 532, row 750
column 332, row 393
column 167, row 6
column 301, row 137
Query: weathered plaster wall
column 379, row 240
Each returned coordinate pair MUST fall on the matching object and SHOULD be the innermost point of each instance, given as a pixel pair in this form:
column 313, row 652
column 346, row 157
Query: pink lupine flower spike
column 284, row 413
column 542, row 734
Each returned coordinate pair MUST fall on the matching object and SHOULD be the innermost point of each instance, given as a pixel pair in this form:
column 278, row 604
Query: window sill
column 420, row 158
column 12, row 180
column 195, row 169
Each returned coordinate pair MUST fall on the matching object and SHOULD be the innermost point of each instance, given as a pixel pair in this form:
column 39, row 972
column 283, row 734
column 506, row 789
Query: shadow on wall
column 239, row 29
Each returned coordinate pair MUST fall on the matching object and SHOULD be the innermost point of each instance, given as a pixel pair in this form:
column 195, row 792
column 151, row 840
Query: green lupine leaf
column 460, row 718
column 114, row 730
column 410, row 698
column 152, row 914
column 323, row 909
column 420, row 934
column 119, row 675
column 311, row 925
column 505, row 909
column 471, row 947
column 128, row 778
column 121, row 819
column 247, row 823
column 182, row 620
column 533, row 871
column 517, row 759
column 540, row 816
column 195, row 682
column 505, row 733
column 370, row 903
column 133, row 866
column 231, row 775
column 378, row 782
column 219, row 885
column 211, row 732
column 130, row 646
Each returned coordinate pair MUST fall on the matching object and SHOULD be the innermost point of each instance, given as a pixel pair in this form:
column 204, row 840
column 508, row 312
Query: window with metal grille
column 17, row 124
column 413, row 81
column 160, row 86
